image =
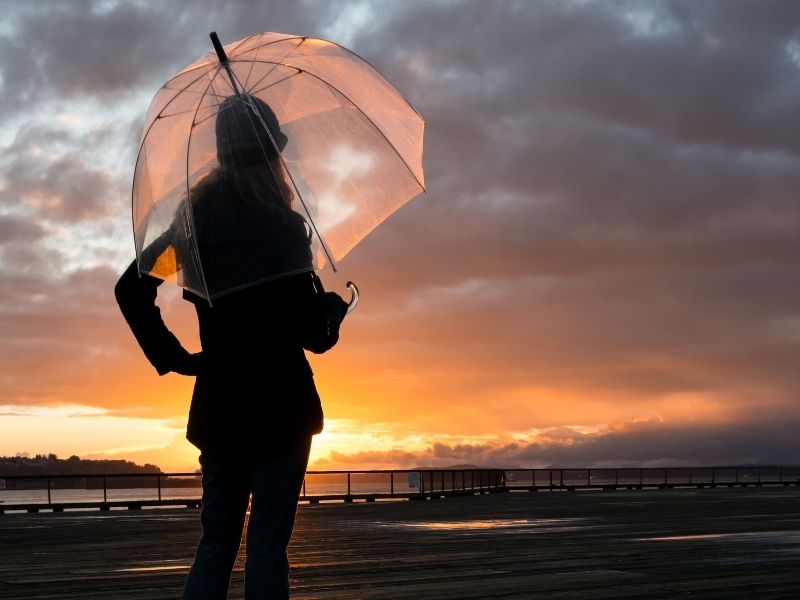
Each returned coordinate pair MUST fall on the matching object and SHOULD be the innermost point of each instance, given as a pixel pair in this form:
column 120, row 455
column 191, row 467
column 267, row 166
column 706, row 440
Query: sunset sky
column 604, row 270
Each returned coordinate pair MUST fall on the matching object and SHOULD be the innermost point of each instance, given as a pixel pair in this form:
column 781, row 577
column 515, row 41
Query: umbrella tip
column 223, row 58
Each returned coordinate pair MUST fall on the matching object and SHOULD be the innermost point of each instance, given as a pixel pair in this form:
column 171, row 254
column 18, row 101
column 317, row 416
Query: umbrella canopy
column 274, row 155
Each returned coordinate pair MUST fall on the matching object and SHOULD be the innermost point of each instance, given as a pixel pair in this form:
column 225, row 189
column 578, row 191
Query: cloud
column 609, row 233
column 718, row 73
column 650, row 443
column 84, row 48
column 17, row 229
column 66, row 189
column 107, row 49
column 607, row 212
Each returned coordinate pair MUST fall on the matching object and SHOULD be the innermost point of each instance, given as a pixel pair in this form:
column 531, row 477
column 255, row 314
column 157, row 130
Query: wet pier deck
column 707, row 543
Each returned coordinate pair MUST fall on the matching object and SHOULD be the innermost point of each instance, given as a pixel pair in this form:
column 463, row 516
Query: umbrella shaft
column 232, row 78
column 223, row 59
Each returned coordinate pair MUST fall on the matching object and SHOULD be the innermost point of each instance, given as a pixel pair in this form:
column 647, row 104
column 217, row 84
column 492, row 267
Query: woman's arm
column 136, row 296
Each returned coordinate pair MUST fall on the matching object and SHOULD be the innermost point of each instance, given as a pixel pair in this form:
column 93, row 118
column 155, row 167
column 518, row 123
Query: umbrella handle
column 351, row 306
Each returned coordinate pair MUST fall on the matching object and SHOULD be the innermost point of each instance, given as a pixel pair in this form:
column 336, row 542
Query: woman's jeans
column 227, row 485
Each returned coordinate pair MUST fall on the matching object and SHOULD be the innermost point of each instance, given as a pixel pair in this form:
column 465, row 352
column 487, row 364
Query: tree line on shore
column 43, row 470
column 50, row 464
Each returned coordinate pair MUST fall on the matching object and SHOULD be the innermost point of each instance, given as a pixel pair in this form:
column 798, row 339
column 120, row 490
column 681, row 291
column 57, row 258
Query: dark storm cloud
column 67, row 189
column 537, row 176
column 623, row 193
column 712, row 72
column 48, row 173
column 564, row 143
column 645, row 444
column 62, row 50
column 92, row 48
column 578, row 201
column 529, row 172
column 16, row 229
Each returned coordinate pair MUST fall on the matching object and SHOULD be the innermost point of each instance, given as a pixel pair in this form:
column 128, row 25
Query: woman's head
column 249, row 142
column 247, row 132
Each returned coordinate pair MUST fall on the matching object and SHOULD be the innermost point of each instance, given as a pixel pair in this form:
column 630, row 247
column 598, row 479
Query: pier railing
column 641, row 478
column 33, row 493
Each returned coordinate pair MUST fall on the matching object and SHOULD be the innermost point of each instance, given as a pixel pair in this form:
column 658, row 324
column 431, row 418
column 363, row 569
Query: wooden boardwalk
column 708, row 543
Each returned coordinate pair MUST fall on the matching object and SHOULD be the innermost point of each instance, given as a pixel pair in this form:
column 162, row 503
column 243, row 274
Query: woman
column 255, row 406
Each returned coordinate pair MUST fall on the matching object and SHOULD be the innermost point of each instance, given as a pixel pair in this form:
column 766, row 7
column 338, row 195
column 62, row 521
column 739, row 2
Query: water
column 80, row 495
column 59, row 496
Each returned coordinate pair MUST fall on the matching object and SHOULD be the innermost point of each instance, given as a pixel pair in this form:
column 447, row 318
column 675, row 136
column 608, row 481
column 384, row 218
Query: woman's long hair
column 249, row 140
column 242, row 210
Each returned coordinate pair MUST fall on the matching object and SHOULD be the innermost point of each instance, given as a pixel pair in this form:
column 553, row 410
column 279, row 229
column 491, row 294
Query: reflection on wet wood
column 723, row 543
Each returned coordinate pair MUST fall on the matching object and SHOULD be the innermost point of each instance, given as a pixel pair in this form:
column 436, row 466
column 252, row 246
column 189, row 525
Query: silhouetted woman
column 255, row 406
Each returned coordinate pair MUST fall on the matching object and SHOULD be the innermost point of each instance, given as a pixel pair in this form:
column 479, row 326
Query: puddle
column 151, row 569
column 785, row 536
column 484, row 524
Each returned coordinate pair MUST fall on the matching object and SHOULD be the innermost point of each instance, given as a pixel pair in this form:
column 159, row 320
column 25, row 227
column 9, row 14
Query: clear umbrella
column 270, row 156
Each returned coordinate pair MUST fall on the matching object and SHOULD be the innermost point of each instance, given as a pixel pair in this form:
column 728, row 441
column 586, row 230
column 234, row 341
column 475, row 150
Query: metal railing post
column 348, row 484
column 158, row 483
column 49, row 501
column 391, row 483
column 105, row 495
